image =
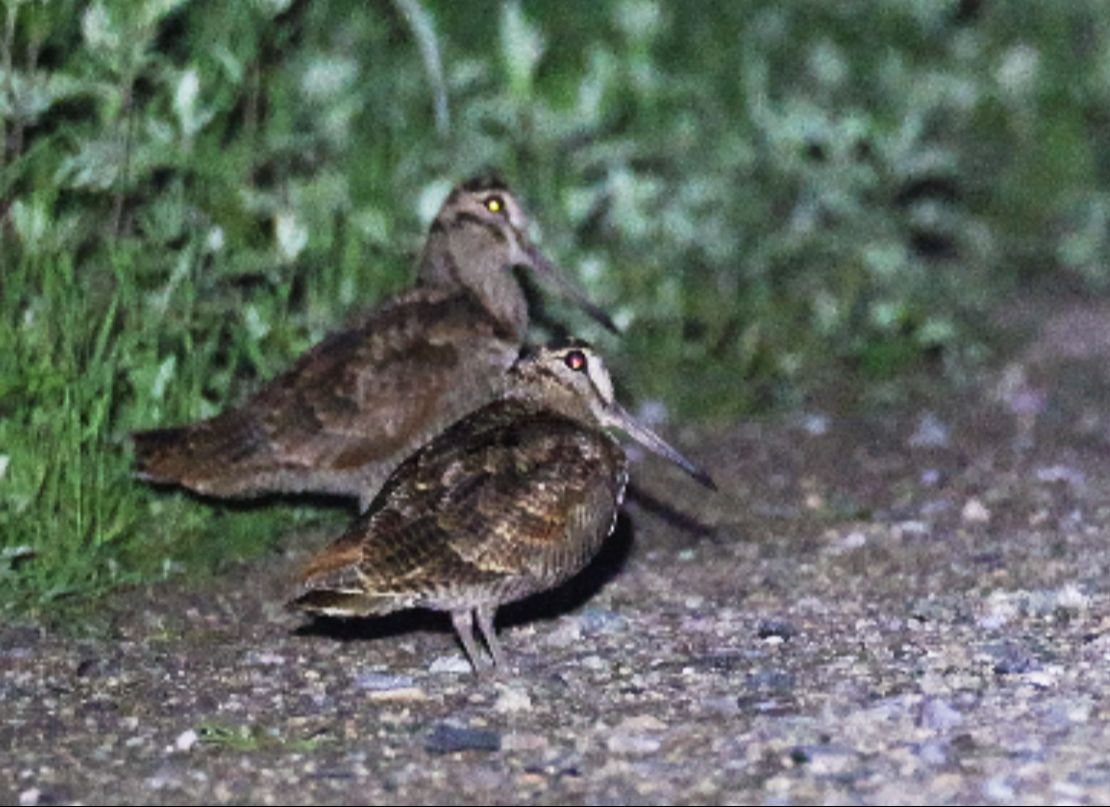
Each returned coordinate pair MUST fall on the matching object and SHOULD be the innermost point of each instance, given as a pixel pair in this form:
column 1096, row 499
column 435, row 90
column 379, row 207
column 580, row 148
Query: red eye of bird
column 576, row 360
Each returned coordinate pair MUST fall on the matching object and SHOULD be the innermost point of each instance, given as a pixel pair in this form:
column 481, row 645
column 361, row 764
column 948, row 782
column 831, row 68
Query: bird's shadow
column 544, row 605
column 263, row 501
column 579, row 589
column 671, row 514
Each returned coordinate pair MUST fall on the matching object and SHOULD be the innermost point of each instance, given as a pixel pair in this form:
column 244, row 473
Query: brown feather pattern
column 349, row 410
column 512, row 499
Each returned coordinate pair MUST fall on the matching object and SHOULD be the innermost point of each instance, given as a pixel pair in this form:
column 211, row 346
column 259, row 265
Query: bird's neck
column 537, row 390
column 482, row 272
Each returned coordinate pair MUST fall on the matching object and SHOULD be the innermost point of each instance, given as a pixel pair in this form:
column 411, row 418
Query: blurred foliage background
column 763, row 193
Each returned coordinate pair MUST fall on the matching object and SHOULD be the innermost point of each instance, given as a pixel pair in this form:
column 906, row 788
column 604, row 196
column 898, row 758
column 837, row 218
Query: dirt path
column 910, row 606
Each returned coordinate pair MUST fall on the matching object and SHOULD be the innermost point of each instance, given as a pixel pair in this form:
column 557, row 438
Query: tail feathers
column 344, row 602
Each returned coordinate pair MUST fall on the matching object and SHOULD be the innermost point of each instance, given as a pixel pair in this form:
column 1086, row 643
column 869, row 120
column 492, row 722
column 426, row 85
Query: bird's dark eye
column 495, row 204
column 576, row 360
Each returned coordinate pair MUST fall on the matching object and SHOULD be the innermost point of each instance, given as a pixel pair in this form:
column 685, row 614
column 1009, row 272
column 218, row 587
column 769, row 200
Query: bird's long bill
column 567, row 287
column 652, row 441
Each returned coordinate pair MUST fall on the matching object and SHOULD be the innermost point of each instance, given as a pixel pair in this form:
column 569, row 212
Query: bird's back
column 349, row 410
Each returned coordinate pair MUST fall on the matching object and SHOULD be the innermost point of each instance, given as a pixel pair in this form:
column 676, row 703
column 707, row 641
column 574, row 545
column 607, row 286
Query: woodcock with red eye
column 512, row 499
column 353, row 407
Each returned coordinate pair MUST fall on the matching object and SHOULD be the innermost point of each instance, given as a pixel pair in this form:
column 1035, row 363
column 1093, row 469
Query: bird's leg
column 464, row 626
column 484, row 614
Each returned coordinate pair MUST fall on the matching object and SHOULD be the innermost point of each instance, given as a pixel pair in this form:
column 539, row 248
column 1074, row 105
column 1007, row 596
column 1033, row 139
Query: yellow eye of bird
column 494, row 204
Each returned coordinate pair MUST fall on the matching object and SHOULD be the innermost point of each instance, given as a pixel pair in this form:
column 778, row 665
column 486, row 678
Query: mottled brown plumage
column 513, row 499
column 350, row 409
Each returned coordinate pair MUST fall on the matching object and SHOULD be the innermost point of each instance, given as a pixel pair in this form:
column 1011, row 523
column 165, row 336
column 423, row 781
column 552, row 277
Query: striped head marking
column 577, row 369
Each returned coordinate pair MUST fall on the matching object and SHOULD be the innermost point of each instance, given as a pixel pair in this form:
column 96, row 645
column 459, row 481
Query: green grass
column 763, row 193
column 254, row 739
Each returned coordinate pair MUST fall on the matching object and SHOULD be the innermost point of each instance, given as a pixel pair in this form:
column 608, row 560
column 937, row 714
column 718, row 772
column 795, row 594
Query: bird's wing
column 509, row 492
column 361, row 396
column 543, row 497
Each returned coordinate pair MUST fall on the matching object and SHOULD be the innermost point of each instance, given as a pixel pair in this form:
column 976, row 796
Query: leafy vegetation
column 246, row 739
column 192, row 192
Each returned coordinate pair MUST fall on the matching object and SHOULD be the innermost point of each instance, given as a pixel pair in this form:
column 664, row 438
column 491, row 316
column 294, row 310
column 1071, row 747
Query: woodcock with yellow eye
column 513, row 499
column 354, row 406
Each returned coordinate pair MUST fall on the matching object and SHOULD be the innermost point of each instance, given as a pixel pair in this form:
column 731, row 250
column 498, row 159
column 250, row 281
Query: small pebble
column 447, row 738
column 401, row 694
column 595, row 662
column 513, row 699
column 720, row 705
column 911, row 527
column 776, row 628
column 633, row 735
column 632, row 744
column 853, row 540
column 1042, row 679
column 568, row 632
column 933, row 753
column 825, row 760
column 377, row 681
column 997, row 789
column 998, row 610
column 772, row 680
column 975, row 512
column 815, row 424
column 186, row 740
column 263, row 659
column 642, row 723
column 449, row 664
column 596, row 621
column 1061, row 473
column 1072, row 598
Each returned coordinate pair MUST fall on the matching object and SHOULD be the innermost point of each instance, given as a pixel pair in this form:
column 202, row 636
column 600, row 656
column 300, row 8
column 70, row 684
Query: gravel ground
column 896, row 605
